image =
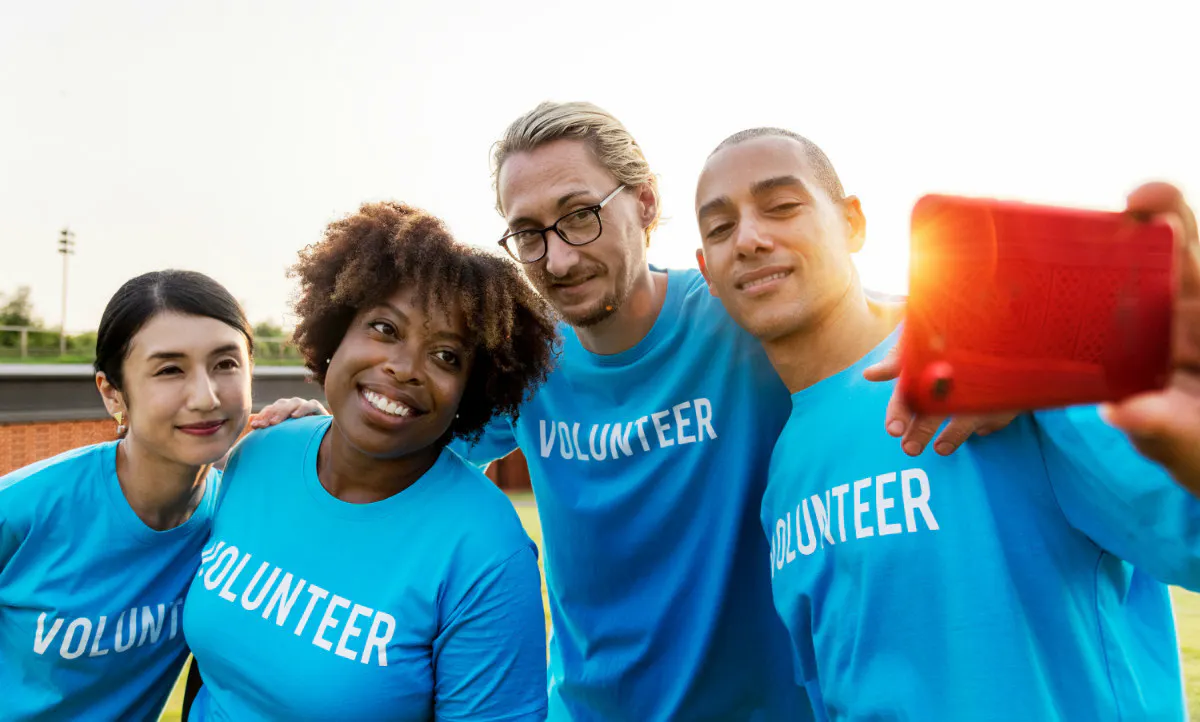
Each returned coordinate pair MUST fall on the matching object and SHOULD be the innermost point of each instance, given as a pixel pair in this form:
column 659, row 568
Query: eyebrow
column 713, row 206
column 783, row 181
column 437, row 335
column 759, row 188
column 175, row 355
column 561, row 203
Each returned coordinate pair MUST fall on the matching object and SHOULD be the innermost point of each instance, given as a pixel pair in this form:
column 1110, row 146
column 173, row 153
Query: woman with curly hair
column 359, row 569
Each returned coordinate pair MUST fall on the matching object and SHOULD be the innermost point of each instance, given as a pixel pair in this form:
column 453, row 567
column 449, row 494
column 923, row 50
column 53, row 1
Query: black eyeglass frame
column 595, row 209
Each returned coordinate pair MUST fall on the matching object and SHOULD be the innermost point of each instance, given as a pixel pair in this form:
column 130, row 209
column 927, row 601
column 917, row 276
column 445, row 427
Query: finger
column 280, row 409
column 955, row 433
column 287, row 407
column 1187, row 335
column 256, row 421
column 962, row 428
column 1159, row 198
column 897, row 416
column 1166, row 202
column 919, row 433
column 993, row 423
column 886, row 369
column 311, row 407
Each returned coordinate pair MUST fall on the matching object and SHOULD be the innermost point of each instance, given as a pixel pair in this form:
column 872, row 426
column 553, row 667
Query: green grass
column 1187, row 615
column 47, row 359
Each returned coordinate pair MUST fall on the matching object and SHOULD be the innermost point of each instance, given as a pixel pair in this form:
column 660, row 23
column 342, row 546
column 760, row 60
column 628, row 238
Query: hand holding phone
column 1014, row 306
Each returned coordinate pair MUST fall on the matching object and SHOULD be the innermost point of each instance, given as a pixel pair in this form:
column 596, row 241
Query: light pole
column 66, row 246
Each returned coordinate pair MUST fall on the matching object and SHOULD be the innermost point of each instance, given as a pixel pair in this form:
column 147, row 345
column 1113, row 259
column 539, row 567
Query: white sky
column 222, row 136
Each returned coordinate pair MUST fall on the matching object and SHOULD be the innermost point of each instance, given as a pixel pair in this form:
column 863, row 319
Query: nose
column 561, row 256
column 750, row 239
column 405, row 365
column 202, row 394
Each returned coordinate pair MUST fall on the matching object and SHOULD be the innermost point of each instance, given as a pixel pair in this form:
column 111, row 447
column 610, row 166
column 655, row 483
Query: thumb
column 1164, row 426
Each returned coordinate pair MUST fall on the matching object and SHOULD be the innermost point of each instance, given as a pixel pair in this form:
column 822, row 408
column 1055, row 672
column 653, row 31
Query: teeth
column 761, row 281
column 386, row 405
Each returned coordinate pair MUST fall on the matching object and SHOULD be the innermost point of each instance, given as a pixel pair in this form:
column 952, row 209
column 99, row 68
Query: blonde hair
column 607, row 138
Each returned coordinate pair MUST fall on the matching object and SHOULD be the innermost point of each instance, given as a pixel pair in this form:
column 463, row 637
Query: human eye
column 383, row 328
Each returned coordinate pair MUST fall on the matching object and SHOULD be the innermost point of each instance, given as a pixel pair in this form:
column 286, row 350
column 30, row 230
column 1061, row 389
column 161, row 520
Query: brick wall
column 23, row 444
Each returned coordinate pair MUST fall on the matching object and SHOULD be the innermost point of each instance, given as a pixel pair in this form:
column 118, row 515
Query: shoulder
column 696, row 298
column 704, row 315
column 288, row 436
column 57, row 476
column 483, row 520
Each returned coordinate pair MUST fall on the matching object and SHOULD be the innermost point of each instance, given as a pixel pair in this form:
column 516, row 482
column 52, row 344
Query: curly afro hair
column 363, row 258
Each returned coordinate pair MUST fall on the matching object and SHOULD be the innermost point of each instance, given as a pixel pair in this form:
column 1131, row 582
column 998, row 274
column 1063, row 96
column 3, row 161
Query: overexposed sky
column 222, row 136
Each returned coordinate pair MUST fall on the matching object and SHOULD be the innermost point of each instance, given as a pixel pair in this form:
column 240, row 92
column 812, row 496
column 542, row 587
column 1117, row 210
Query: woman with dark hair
column 358, row 568
column 98, row 545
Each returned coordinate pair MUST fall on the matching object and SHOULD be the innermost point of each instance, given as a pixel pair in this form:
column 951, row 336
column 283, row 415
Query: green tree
column 17, row 309
column 266, row 329
column 273, row 349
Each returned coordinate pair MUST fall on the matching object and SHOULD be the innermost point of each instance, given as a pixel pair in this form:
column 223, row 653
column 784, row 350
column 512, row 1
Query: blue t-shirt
column 425, row 605
column 90, row 597
column 1020, row 578
column 649, row 468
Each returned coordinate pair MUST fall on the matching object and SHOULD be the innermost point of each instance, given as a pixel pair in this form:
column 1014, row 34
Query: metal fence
column 30, row 343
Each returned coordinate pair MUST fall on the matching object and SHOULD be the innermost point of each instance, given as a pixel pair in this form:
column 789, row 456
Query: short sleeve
column 497, row 441
column 12, row 530
column 490, row 658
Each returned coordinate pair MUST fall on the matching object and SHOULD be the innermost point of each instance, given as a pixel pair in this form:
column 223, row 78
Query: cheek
column 234, row 390
column 451, row 388
column 153, row 408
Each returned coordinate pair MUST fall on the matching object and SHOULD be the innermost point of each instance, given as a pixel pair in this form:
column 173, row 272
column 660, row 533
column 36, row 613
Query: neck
column 163, row 493
column 633, row 319
column 833, row 341
column 353, row 477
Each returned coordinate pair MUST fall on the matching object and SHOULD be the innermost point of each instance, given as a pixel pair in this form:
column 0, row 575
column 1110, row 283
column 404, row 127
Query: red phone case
column 1014, row 306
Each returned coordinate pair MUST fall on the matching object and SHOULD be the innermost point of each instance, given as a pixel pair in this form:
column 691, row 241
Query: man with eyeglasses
column 647, row 446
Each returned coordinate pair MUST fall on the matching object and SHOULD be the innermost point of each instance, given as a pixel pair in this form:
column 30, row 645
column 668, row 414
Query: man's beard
column 596, row 313
column 601, row 311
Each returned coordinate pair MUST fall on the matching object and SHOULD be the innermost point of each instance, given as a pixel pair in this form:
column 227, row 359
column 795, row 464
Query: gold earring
column 120, row 417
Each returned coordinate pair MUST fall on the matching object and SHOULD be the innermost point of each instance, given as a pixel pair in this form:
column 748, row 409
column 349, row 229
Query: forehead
column 424, row 307
column 532, row 182
column 171, row 332
column 734, row 170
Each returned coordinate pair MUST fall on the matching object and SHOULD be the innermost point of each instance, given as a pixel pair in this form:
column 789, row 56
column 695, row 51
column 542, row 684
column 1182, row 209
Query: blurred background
column 223, row 136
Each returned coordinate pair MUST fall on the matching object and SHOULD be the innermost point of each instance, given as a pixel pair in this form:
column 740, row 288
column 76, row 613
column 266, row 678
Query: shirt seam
column 1100, row 554
column 457, row 611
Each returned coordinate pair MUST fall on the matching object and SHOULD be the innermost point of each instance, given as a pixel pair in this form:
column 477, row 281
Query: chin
column 591, row 313
column 200, row 457
column 767, row 327
column 379, row 444
column 589, row 317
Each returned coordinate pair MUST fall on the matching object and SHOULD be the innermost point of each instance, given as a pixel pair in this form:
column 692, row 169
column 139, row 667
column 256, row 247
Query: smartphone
column 1014, row 306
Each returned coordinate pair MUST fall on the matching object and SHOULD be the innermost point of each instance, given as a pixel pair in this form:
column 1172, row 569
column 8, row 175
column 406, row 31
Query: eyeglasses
column 578, row 228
